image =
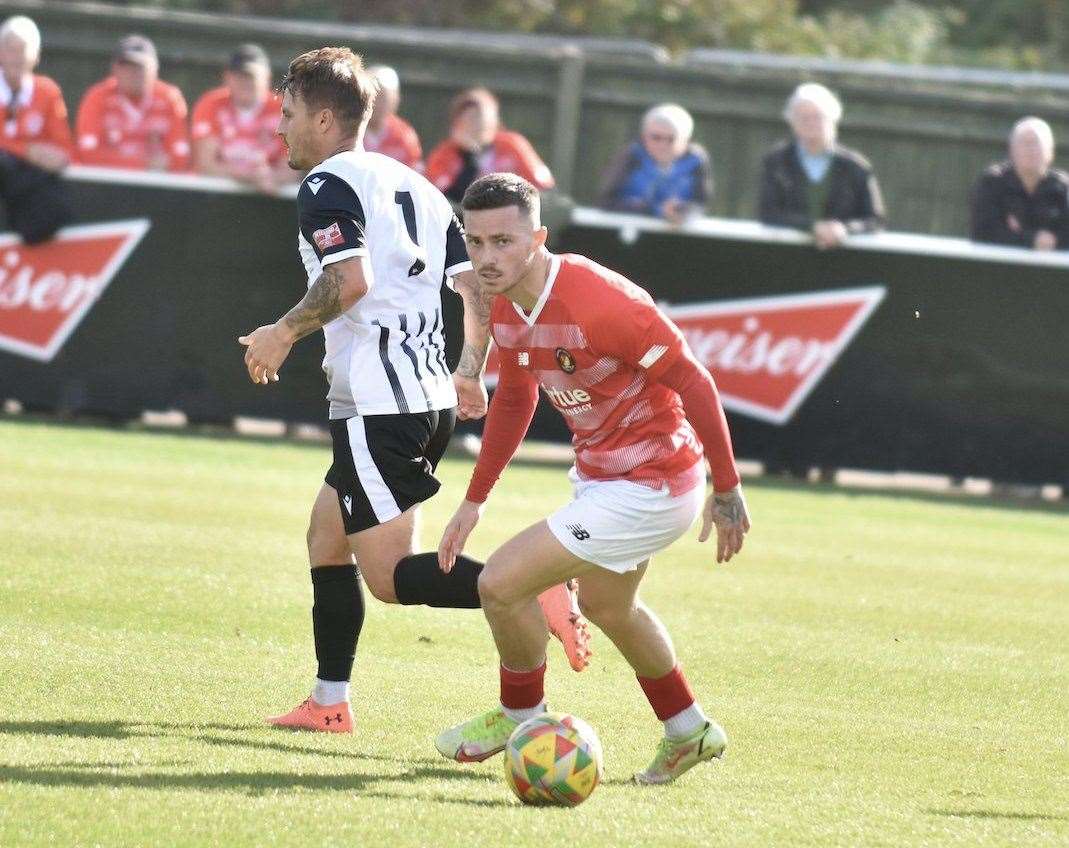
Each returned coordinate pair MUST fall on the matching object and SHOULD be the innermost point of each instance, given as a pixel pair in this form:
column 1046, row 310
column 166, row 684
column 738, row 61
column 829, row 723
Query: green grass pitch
column 892, row 671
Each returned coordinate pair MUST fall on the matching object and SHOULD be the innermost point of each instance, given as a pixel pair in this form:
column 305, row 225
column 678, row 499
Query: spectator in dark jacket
column 813, row 183
column 1024, row 202
column 663, row 173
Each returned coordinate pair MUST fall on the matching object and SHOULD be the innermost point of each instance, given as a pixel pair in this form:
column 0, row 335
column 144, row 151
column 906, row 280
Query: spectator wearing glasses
column 813, row 183
column 479, row 145
column 132, row 118
column 387, row 132
column 1024, row 201
column 35, row 138
column 235, row 125
column 662, row 173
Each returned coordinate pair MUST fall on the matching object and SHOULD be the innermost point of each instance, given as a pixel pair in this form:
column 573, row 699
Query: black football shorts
column 384, row 464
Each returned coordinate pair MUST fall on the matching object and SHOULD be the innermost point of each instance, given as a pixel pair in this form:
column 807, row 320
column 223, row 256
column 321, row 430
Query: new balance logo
column 579, row 532
column 315, row 184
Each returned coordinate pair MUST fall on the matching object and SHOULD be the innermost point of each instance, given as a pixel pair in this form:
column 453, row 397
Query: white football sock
column 685, row 723
column 330, row 692
column 521, row 715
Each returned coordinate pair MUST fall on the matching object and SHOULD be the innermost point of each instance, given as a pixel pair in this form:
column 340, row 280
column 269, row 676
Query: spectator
column 235, row 125
column 387, row 132
column 663, row 173
column 35, row 142
column 132, row 119
column 1024, row 202
column 812, row 183
column 479, row 145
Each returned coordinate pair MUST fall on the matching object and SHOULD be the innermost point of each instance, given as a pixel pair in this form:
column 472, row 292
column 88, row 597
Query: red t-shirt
column 509, row 152
column 397, row 139
column 115, row 132
column 596, row 344
column 247, row 139
column 35, row 113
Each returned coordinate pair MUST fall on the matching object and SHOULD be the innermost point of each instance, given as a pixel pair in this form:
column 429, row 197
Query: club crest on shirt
column 565, row 360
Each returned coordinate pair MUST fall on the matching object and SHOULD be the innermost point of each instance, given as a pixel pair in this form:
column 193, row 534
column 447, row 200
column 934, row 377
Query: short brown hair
column 498, row 191
column 479, row 96
column 333, row 78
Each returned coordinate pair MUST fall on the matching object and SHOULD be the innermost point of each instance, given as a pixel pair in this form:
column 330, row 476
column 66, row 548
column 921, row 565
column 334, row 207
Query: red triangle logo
column 767, row 354
column 47, row 289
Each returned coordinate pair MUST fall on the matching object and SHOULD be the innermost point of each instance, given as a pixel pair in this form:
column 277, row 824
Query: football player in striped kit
column 377, row 241
column 643, row 412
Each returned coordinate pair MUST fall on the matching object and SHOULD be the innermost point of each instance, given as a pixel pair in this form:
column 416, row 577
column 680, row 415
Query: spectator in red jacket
column 133, row 119
column 35, row 138
column 479, row 145
column 235, row 125
column 387, row 132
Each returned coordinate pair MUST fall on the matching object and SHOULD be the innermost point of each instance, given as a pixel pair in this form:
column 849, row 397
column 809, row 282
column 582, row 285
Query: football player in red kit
column 643, row 412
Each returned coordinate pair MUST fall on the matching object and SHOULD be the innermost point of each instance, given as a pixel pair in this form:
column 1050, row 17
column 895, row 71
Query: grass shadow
column 996, row 814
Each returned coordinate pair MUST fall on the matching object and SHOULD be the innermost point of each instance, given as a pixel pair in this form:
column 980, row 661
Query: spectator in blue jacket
column 663, row 173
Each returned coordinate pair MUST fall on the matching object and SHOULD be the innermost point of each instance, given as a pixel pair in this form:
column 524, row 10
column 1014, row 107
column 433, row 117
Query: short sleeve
column 456, row 250
column 331, row 218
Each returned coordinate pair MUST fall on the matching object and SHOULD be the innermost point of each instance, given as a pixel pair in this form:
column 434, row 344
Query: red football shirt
column 115, row 132
column 247, row 139
column 398, row 140
column 596, row 344
column 35, row 113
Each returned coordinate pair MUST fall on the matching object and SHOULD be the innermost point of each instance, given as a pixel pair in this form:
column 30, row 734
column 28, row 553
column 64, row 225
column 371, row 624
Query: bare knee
column 493, row 588
column 379, row 582
column 607, row 616
column 325, row 547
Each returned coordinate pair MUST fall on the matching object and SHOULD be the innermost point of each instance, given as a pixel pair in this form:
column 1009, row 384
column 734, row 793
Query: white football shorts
column 618, row 524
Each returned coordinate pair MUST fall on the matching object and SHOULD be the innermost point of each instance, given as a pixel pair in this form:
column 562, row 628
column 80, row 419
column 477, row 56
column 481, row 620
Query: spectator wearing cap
column 479, row 145
column 235, row 125
column 662, row 173
column 1024, row 201
column 35, row 138
column 387, row 132
column 133, row 119
column 811, row 182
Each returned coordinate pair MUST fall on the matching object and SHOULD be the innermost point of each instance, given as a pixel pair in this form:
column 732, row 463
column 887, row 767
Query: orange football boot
column 560, row 605
column 308, row 715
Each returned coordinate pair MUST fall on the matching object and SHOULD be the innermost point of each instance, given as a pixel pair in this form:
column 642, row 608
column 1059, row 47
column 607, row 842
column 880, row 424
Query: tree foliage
column 1006, row 33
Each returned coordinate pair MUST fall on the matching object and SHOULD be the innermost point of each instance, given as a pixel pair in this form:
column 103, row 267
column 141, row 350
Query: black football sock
column 337, row 616
column 418, row 580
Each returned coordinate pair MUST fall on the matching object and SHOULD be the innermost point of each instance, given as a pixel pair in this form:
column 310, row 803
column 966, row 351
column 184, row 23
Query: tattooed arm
column 340, row 286
column 468, row 377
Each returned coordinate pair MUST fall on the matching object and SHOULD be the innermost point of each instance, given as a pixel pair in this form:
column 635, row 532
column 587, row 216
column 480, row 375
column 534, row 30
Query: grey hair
column 26, row 31
column 820, row 96
column 675, row 116
column 1040, row 127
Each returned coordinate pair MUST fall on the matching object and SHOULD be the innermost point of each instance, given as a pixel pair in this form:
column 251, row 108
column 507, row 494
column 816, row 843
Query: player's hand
column 726, row 510
column 456, row 533
column 266, row 349
column 471, row 397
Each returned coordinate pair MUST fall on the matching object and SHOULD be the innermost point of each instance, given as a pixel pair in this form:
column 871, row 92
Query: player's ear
column 540, row 236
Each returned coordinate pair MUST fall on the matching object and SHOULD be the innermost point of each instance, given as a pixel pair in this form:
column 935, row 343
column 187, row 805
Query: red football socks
column 521, row 690
column 668, row 695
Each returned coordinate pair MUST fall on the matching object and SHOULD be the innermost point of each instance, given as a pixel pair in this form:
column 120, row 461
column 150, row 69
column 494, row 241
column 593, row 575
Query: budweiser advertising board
column 46, row 290
column 767, row 354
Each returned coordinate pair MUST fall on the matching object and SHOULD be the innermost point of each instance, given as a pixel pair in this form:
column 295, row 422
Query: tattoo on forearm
column 320, row 306
column 477, row 308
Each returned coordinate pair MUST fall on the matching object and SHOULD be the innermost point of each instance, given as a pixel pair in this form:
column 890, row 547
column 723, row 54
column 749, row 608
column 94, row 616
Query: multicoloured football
column 553, row 759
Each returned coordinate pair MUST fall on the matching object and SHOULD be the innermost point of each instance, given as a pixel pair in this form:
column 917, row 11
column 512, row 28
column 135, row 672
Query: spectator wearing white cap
column 1024, row 201
column 387, row 132
column 663, row 173
column 811, row 182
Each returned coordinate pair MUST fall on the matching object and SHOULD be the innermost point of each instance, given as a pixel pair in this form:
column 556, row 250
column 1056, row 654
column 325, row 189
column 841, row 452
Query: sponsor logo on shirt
column 46, row 290
column 328, row 237
column 767, row 354
column 569, row 401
